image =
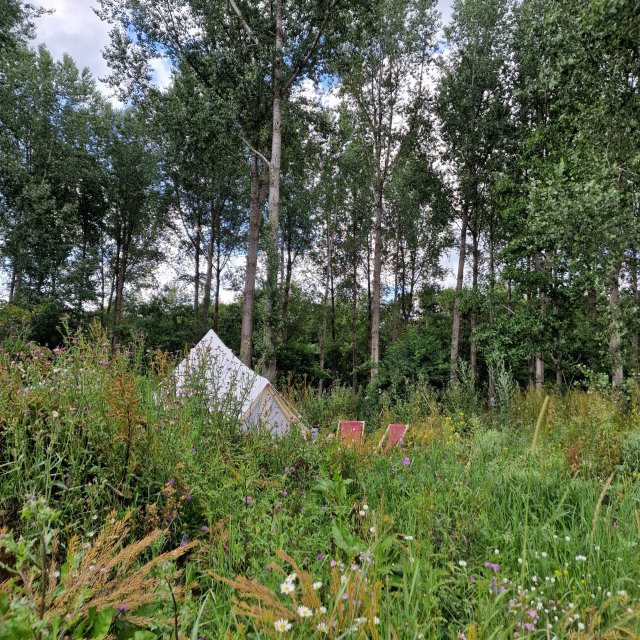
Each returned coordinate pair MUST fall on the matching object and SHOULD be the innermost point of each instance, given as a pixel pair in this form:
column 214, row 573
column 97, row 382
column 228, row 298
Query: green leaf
column 345, row 539
column 101, row 623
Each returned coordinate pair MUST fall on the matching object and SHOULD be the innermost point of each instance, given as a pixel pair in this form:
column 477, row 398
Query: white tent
column 212, row 369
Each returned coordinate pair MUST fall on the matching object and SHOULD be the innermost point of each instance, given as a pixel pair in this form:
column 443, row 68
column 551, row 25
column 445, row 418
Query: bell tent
column 212, row 369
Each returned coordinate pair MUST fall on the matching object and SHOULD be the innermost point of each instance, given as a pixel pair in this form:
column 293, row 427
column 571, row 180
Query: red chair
column 351, row 432
column 394, row 435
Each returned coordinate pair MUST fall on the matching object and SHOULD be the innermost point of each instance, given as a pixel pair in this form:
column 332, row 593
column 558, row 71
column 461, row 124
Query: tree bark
column 615, row 338
column 325, row 306
column 455, row 324
column 249, row 292
column 377, row 273
column 271, row 300
column 635, row 346
column 473, row 346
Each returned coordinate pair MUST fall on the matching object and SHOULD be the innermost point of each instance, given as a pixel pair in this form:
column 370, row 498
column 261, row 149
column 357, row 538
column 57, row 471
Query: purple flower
column 204, row 529
column 320, row 556
column 187, row 497
column 122, row 608
column 185, row 540
column 406, row 462
column 532, row 613
column 324, row 508
column 248, row 500
column 284, row 494
column 492, row 565
column 334, row 563
column 171, row 482
column 279, row 506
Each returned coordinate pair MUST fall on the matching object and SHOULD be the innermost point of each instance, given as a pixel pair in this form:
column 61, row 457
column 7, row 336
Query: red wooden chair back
column 351, row 431
column 396, row 433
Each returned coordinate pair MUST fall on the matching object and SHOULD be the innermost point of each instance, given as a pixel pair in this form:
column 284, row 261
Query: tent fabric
column 212, row 368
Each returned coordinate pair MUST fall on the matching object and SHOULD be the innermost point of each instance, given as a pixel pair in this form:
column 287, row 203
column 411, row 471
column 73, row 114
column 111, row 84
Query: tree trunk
column 196, row 276
column 377, row 273
column 455, row 324
column 635, row 346
column 216, row 299
column 615, row 338
column 271, row 298
column 325, row 306
column 249, row 293
column 120, row 281
column 542, row 296
column 354, row 326
column 216, row 207
column 473, row 347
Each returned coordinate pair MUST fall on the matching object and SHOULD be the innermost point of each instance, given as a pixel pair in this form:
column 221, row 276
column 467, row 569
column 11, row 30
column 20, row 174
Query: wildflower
column 284, row 494
column 376, row 620
column 360, row 620
column 520, row 561
column 492, row 565
column 580, row 626
column 304, row 612
column 322, row 627
column 279, row 506
column 333, row 563
column 462, row 563
column 406, row 461
column 282, row 625
column 122, row 608
column 55, row 414
column 185, row 540
column 248, row 500
column 287, row 588
column 322, row 610
column 580, row 558
column 372, row 529
column 362, row 513
column 292, row 577
column 204, row 529
column 496, row 551
column 365, row 507
column 567, row 538
column 316, row 585
column 171, row 482
column 320, row 556
column 409, row 538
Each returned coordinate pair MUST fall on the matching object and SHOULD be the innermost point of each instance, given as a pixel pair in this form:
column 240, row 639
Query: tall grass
column 426, row 542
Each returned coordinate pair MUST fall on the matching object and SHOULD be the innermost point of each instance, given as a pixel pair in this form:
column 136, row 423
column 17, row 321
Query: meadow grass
column 481, row 525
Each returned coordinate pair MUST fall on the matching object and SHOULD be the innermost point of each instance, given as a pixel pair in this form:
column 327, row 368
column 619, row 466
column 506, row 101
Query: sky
column 75, row 29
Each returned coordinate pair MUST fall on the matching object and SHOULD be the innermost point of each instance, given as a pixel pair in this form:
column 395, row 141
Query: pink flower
column 248, row 500
column 406, row 462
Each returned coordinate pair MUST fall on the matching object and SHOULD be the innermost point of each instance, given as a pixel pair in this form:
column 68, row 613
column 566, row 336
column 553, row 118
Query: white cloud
column 75, row 29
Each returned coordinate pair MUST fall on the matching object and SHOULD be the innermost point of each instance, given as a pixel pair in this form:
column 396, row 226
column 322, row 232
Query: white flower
column 344, row 579
column 287, row 588
column 580, row 558
column 304, row 612
column 496, row 551
column 567, row 538
column 322, row 610
column 55, row 414
column 291, row 577
column 597, row 548
column 365, row 507
column 580, row 626
column 362, row 513
column 322, row 627
column 282, row 625
column 462, row 563
column 376, row 620
column 520, row 560
column 316, row 585
column 372, row 530
column 622, row 593
column 408, row 538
